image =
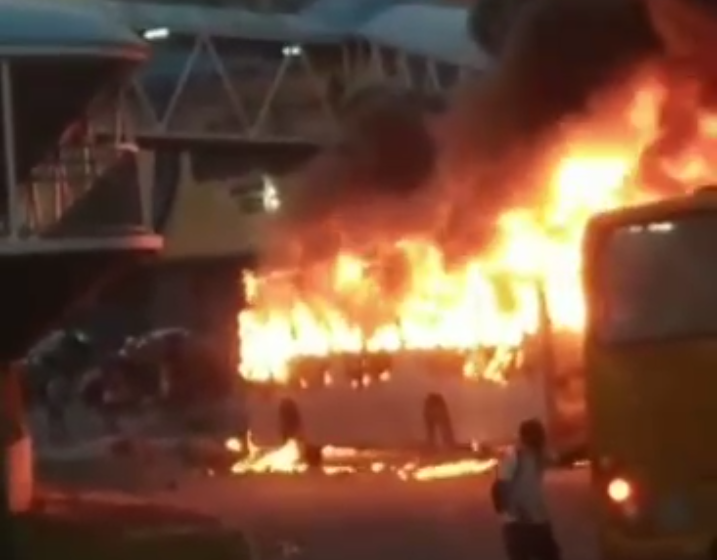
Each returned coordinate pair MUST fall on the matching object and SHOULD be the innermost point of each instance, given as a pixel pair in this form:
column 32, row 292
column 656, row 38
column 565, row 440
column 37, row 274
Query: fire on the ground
column 289, row 459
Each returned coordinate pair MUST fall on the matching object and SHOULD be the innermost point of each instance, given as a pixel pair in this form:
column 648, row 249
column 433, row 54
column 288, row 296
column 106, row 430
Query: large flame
column 408, row 295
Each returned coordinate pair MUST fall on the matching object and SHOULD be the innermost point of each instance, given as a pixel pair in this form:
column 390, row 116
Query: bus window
column 659, row 281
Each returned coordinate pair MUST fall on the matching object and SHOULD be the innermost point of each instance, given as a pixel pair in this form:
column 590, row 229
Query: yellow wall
column 207, row 222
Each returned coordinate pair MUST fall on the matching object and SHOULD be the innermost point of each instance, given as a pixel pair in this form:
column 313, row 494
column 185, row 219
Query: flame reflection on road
column 291, row 459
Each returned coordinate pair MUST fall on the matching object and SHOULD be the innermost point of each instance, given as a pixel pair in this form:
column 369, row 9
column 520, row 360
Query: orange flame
column 287, row 459
column 355, row 304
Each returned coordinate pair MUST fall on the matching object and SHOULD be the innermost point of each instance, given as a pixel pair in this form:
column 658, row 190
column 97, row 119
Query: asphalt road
column 344, row 517
column 377, row 518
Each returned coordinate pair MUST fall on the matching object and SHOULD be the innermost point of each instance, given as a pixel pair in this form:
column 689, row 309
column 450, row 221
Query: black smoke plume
column 397, row 170
column 360, row 183
column 557, row 56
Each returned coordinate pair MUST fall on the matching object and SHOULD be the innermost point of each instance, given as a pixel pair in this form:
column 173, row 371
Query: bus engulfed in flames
column 489, row 307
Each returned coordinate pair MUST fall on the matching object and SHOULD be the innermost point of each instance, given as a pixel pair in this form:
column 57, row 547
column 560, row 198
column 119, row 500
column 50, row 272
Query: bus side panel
column 397, row 412
column 340, row 415
column 487, row 413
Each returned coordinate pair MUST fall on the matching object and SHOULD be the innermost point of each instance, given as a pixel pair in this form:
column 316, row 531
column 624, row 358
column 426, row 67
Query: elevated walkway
column 276, row 80
column 265, row 91
column 55, row 58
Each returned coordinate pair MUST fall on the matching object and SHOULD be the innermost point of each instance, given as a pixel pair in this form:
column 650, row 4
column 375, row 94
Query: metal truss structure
column 417, row 73
column 70, row 173
column 217, row 90
column 56, row 184
column 35, row 207
column 205, row 88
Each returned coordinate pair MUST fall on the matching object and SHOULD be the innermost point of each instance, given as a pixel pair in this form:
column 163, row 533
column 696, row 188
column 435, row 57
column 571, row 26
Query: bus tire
column 437, row 422
column 313, row 456
column 291, row 425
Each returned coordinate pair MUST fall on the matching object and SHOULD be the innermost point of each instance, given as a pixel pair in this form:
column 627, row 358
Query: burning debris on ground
column 243, row 457
column 295, row 458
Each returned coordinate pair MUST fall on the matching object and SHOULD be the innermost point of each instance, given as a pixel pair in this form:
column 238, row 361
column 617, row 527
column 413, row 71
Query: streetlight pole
column 8, row 136
column 8, row 377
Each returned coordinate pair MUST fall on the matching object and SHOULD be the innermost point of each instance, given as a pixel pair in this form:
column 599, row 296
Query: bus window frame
column 597, row 238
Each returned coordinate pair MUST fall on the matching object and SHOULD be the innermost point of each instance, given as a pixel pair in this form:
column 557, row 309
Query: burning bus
column 402, row 349
column 396, row 338
column 392, row 338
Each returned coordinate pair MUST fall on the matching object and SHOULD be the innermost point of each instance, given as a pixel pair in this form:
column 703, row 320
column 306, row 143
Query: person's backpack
column 501, row 490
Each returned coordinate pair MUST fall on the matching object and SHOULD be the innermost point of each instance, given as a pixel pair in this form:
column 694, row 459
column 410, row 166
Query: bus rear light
column 619, row 491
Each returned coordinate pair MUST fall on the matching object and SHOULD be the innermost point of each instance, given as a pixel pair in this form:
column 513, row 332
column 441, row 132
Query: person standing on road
column 519, row 497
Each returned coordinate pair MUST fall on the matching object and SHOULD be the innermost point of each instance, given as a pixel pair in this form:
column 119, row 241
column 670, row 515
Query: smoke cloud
column 362, row 183
column 559, row 56
column 396, row 171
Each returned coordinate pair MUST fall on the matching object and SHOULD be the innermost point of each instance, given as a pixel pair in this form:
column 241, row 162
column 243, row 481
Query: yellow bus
column 651, row 377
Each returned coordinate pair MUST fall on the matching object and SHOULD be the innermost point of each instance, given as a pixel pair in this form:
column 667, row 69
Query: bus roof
column 703, row 199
